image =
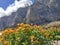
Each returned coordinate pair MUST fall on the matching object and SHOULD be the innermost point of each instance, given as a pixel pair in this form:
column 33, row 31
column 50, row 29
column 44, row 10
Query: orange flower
column 5, row 31
column 1, row 39
column 11, row 30
column 23, row 29
column 47, row 34
column 42, row 30
column 5, row 42
column 22, row 24
column 36, row 41
column 32, row 37
column 38, row 27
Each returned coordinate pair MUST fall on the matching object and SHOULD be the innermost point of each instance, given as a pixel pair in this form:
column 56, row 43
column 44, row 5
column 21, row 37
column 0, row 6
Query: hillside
column 41, row 12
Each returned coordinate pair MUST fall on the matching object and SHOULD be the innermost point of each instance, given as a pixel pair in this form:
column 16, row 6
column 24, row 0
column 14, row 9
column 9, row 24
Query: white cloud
column 13, row 7
column 2, row 12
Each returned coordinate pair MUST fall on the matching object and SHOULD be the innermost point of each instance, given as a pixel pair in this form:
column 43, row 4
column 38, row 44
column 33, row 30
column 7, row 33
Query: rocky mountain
column 41, row 12
column 14, row 18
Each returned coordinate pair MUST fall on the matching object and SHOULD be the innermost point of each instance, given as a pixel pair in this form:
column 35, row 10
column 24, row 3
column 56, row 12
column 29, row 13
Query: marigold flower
column 2, row 35
column 2, row 32
column 37, row 41
column 10, row 30
column 5, row 42
column 1, row 39
column 32, row 37
column 22, row 24
column 5, row 31
column 19, row 28
column 47, row 34
column 27, row 25
column 42, row 30
column 38, row 26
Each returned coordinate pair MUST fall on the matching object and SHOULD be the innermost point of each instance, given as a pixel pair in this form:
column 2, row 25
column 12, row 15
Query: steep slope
column 44, row 11
column 15, row 13
column 41, row 12
column 14, row 18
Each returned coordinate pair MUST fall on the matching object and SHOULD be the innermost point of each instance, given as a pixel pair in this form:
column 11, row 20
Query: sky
column 9, row 6
column 5, row 3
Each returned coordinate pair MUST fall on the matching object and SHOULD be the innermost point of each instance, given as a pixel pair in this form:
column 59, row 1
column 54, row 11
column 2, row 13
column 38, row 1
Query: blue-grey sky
column 5, row 3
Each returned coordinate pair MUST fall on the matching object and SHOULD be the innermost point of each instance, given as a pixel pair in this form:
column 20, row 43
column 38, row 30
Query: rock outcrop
column 42, row 11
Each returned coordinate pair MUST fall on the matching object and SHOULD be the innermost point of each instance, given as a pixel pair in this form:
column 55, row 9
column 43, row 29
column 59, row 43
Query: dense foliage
column 26, row 34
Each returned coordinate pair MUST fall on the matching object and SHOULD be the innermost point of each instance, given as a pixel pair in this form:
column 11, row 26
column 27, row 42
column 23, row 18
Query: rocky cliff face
column 14, row 18
column 42, row 11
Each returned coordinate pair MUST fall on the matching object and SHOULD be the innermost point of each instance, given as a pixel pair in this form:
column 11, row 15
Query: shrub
column 26, row 34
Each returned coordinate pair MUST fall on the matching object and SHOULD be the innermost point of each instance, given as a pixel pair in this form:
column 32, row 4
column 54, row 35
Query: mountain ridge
column 41, row 12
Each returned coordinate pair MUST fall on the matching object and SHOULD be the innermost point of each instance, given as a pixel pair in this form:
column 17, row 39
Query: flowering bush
column 26, row 34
